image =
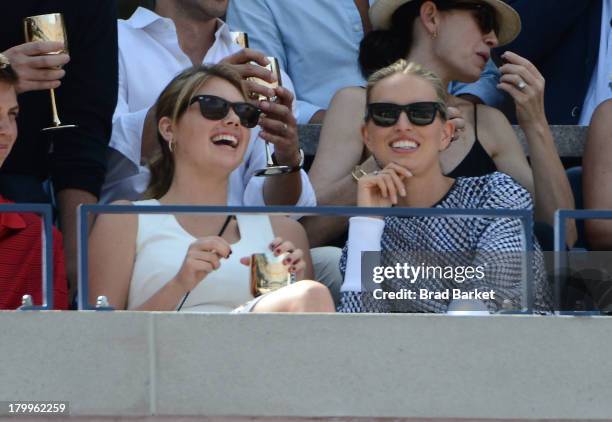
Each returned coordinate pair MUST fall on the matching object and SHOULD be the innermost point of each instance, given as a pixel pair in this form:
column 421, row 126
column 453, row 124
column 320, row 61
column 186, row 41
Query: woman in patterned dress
column 406, row 129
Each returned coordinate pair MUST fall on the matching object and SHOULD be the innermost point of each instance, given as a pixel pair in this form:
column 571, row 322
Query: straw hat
column 509, row 20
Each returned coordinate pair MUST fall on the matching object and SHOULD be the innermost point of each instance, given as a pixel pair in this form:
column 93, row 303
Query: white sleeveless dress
column 161, row 245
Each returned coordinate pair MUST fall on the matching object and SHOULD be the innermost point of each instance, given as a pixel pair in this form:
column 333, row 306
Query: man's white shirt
column 149, row 57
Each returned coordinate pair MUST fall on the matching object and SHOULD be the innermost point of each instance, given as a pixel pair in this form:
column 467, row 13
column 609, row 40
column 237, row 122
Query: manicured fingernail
column 286, row 261
column 292, row 269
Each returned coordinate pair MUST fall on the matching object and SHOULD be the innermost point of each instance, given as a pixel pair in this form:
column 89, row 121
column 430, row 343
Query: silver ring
column 285, row 126
column 376, row 172
column 522, row 85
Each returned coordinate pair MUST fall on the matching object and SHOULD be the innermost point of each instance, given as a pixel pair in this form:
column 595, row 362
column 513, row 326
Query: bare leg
column 303, row 296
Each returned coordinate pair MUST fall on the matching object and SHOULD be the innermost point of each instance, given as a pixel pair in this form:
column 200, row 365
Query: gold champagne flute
column 268, row 273
column 49, row 27
column 271, row 169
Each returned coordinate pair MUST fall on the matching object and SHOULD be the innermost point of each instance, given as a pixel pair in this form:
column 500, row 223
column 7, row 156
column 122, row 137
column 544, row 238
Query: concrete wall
column 434, row 366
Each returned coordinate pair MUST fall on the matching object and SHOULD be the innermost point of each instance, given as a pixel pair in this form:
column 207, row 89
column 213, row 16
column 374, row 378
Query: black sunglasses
column 486, row 17
column 217, row 108
column 420, row 114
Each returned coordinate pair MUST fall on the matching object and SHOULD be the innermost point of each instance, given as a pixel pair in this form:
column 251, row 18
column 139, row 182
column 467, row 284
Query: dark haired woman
column 453, row 39
column 151, row 262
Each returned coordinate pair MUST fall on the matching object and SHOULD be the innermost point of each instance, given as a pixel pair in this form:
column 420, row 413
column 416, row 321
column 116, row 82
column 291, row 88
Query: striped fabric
column 21, row 261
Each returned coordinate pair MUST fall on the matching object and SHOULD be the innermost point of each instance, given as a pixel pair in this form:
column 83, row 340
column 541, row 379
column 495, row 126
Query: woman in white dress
column 200, row 263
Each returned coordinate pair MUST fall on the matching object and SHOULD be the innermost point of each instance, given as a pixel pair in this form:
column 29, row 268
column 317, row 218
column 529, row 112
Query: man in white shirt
column 156, row 45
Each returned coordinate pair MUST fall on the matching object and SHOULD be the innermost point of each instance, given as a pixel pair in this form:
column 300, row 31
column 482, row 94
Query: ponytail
column 381, row 48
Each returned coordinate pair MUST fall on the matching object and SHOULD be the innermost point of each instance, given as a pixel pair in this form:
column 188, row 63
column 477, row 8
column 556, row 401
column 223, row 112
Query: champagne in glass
column 272, row 169
column 240, row 38
column 49, row 27
column 268, row 273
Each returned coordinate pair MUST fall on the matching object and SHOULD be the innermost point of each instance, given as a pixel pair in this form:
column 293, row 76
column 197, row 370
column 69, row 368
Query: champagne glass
column 49, row 27
column 268, row 273
column 240, row 38
column 272, row 169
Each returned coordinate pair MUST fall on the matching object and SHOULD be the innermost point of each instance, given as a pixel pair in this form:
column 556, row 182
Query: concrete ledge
column 569, row 139
column 130, row 364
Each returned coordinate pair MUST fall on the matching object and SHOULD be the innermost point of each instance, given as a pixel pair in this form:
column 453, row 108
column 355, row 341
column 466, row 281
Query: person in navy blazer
column 561, row 38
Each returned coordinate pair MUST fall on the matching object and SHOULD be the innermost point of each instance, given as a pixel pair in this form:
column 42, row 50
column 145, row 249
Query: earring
column 434, row 35
column 171, row 146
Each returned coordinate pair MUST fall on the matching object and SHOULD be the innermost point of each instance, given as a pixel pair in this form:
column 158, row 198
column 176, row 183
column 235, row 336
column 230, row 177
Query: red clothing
column 21, row 261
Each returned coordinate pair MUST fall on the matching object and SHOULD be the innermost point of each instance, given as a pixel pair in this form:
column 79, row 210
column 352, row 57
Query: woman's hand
column 381, row 188
column 456, row 117
column 279, row 127
column 293, row 258
column 522, row 80
column 202, row 258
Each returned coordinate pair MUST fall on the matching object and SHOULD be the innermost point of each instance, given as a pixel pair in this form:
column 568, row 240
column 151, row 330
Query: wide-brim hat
column 508, row 19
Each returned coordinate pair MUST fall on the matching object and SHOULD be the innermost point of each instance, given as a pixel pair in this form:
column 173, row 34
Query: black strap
column 225, row 224
column 227, row 221
column 476, row 122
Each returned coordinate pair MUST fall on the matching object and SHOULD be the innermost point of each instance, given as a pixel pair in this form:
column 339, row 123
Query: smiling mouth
column 404, row 146
column 225, row 139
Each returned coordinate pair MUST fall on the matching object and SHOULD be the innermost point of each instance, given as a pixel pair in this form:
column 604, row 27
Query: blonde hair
column 173, row 103
column 402, row 67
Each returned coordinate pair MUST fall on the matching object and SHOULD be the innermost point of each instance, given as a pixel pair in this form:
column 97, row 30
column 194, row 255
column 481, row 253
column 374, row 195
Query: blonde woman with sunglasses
column 406, row 129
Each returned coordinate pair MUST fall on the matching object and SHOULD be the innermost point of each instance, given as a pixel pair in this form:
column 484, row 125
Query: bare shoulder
column 352, row 95
column 495, row 131
column 491, row 114
column 604, row 108
column 119, row 226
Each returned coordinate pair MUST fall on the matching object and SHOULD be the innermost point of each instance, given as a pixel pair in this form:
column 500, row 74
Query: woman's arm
column 545, row 179
column 340, row 149
column 112, row 249
column 597, row 177
column 550, row 188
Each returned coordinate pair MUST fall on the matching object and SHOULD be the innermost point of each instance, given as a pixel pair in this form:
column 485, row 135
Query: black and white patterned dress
column 497, row 243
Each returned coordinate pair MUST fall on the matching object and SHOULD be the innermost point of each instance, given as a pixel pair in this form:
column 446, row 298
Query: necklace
column 225, row 224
